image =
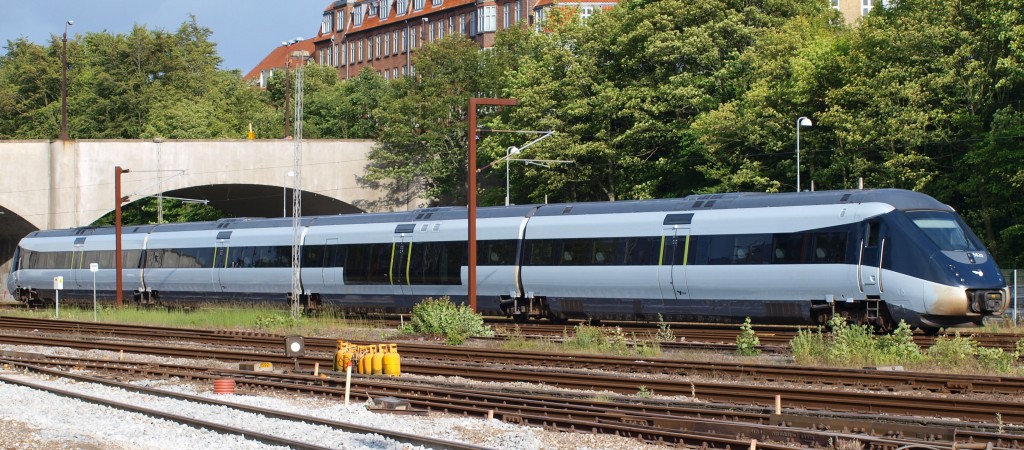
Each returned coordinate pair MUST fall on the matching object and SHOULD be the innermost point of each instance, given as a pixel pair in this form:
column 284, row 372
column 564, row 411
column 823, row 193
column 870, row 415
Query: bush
column 747, row 341
column 441, row 317
column 274, row 321
column 953, row 353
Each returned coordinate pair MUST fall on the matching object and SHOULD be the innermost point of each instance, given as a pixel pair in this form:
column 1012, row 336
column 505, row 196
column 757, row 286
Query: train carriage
column 873, row 256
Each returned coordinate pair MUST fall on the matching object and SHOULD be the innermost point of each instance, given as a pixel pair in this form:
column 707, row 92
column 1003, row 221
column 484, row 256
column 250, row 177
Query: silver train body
column 874, row 256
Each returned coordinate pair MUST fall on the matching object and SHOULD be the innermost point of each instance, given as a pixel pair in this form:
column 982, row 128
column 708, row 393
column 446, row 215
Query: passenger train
column 872, row 256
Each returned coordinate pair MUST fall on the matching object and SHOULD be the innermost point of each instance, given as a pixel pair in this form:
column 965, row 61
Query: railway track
column 247, row 433
column 664, row 422
column 549, row 370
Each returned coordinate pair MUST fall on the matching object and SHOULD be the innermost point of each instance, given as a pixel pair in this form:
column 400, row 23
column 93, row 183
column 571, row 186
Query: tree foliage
column 649, row 99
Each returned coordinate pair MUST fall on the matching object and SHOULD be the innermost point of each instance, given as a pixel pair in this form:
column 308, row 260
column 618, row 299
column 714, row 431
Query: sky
column 245, row 31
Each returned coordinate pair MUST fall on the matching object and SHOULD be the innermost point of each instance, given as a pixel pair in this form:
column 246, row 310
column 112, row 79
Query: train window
column 367, row 263
column 313, row 256
column 606, row 252
column 577, row 252
column 496, row 253
column 787, row 248
column 871, row 240
column 437, row 263
column 829, row 248
column 676, row 248
column 738, row 249
column 642, row 251
column 541, row 252
column 945, row 230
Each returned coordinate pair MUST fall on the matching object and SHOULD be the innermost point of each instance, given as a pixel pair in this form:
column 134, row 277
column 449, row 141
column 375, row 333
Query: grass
column 266, row 319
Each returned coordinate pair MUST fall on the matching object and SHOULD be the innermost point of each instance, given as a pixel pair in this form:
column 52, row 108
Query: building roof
column 278, row 57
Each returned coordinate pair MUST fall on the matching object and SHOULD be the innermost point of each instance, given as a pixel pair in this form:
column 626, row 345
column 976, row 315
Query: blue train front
column 872, row 256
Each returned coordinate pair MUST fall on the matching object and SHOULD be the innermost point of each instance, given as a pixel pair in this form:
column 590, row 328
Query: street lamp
column 800, row 122
column 297, row 191
column 471, row 185
column 64, row 82
column 513, row 150
column 284, row 195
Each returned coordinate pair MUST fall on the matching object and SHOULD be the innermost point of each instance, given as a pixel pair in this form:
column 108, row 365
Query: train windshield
column 946, row 230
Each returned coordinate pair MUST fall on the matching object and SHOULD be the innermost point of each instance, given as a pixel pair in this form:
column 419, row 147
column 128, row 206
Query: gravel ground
column 31, row 419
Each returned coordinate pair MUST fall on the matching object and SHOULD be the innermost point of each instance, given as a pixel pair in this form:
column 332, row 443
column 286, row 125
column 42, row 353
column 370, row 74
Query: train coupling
column 986, row 300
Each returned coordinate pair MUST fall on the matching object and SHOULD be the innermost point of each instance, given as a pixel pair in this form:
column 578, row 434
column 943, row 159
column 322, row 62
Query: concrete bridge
column 63, row 184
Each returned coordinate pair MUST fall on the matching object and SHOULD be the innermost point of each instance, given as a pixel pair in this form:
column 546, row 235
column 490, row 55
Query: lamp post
column 64, row 82
column 800, row 122
column 118, row 200
column 284, row 195
column 471, row 187
column 513, row 150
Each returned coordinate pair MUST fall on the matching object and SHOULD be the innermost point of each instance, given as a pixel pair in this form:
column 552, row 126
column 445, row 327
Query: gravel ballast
column 31, row 419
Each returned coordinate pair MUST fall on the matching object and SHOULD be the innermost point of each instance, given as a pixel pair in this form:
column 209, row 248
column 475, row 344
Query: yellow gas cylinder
column 348, row 355
column 378, row 359
column 392, row 361
column 366, row 360
column 338, row 354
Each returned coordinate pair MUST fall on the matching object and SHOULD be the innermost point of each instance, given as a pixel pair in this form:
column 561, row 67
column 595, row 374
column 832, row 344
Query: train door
column 400, row 265
column 674, row 255
column 332, row 266
column 869, row 267
column 221, row 261
column 78, row 280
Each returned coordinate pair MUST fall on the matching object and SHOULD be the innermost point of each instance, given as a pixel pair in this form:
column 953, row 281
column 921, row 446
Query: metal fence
column 1013, row 281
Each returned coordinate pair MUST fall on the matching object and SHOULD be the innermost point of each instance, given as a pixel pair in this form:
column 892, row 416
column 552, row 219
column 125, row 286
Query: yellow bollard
column 392, row 361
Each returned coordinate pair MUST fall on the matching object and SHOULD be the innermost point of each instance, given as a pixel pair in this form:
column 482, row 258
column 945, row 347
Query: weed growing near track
column 440, row 317
column 856, row 346
column 747, row 341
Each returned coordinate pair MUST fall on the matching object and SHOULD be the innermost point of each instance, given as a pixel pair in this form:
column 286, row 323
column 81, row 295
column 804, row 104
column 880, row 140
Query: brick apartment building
column 384, row 34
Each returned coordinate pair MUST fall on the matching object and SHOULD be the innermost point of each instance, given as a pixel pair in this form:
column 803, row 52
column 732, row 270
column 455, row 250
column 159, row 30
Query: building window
column 418, row 4
column 505, row 15
column 374, row 8
column 437, row 2
column 431, row 35
column 462, row 24
column 362, row 43
column 451, row 24
column 540, row 18
column 472, row 24
column 487, row 18
column 394, row 73
column 376, row 46
column 440, row 29
column 341, row 20
column 387, row 45
column 327, row 26
column 394, row 42
column 866, row 6
column 519, row 10
column 586, row 12
column 403, row 7
column 357, row 15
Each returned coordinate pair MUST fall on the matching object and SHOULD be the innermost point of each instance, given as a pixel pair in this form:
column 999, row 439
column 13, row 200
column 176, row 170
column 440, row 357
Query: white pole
column 348, row 380
column 798, row 154
column 57, row 295
column 1015, row 296
column 94, row 316
column 508, row 154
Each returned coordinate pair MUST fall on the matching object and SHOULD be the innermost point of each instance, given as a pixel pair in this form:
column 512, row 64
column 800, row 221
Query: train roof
column 898, row 198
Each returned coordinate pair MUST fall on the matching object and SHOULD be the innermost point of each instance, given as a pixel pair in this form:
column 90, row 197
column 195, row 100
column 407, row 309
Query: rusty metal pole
column 64, row 82
column 471, row 187
column 117, row 230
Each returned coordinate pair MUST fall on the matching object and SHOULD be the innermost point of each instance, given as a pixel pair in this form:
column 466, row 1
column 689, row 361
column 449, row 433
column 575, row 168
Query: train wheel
column 521, row 317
